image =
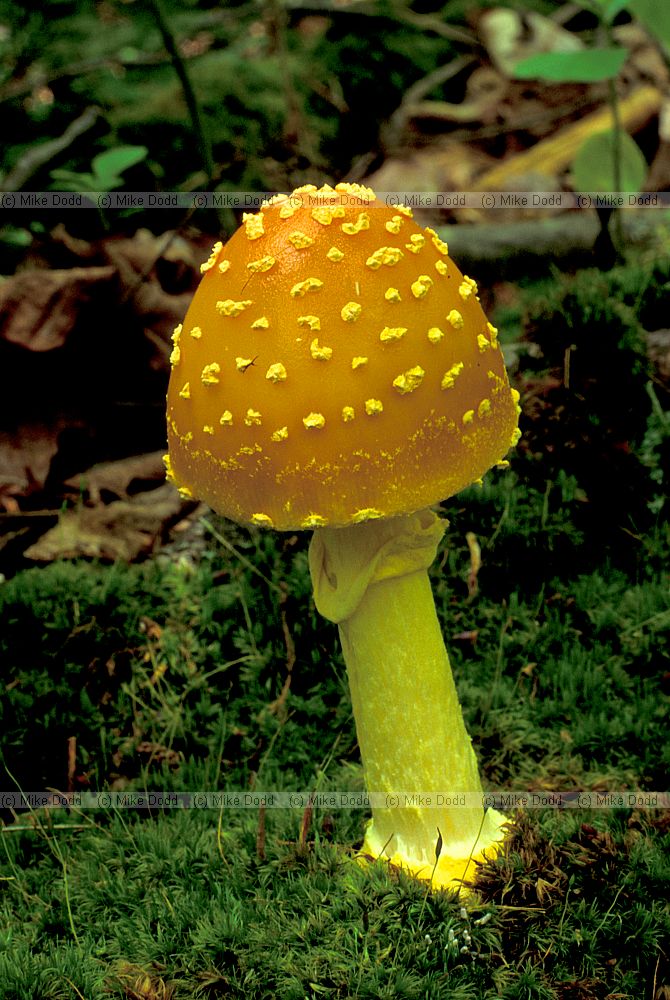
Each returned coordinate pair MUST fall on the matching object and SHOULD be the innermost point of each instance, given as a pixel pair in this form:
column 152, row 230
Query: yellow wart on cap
column 320, row 353
column 468, row 416
column 467, row 288
column 302, row 287
column 213, row 257
column 455, row 319
column 421, row 286
column 252, row 418
column 229, row 307
column 435, row 335
column 483, row 343
column 276, row 373
column 348, row 413
column 358, row 362
column 449, row 377
column 409, row 380
column 210, row 374
column 358, row 190
column 493, row 332
column 313, row 322
column 441, row 267
column 484, row 407
column 367, row 513
column 175, row 356
column 262, row 264
column 417, row 241
column 314, row 521
column 208, row 429
column 289, row 208
column 392, row 295
column 223, row 266
column 394, row 224
column 373, row 407
column 351, row 311
column 196, row 333
column 262, row 323
column 261, row 520
column 314, row 421
column 226, row 419
column 384, row 255
column 361, row 223
column 392, row 333
column 279, row 435
column 335, row 255
column 300, row 240
column 253, row 225
column 326, row 213
column 185, row 391
column 243, row 363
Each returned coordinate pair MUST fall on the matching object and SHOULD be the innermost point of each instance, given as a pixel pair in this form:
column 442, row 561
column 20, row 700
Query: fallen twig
column 35, row 157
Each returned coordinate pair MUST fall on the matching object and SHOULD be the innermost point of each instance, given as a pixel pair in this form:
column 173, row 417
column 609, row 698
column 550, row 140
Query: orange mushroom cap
column 334, row 366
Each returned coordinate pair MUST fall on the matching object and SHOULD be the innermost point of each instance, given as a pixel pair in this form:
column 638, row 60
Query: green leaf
column 108, row 166
column 593, row 166
column 655, row 17
column 71, row 180
column 588, row 66
column 15, row 237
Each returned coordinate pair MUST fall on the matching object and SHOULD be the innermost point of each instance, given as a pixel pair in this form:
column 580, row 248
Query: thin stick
column 37, row 156
column 180, row 69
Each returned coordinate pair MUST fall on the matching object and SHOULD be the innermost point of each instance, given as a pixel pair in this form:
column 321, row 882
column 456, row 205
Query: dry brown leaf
column 158, row 276
column 484, row 92
column 38, row 309
column 658, row 346
column 646, row 61
column 26, row 455
column 116, row 477
column 447, row 166
column 122, row 530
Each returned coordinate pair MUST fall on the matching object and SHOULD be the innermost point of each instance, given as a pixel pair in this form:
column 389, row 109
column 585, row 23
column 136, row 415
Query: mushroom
column 336, row 372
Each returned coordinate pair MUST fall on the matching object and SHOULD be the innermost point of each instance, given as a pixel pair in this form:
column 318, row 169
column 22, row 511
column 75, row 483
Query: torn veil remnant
column 371, row 387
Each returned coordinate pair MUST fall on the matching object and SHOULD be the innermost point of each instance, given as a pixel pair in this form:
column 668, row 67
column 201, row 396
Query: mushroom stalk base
column 372, row 580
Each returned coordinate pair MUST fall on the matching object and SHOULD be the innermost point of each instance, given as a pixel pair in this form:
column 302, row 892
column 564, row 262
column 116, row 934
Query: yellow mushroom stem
column 372, row 580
